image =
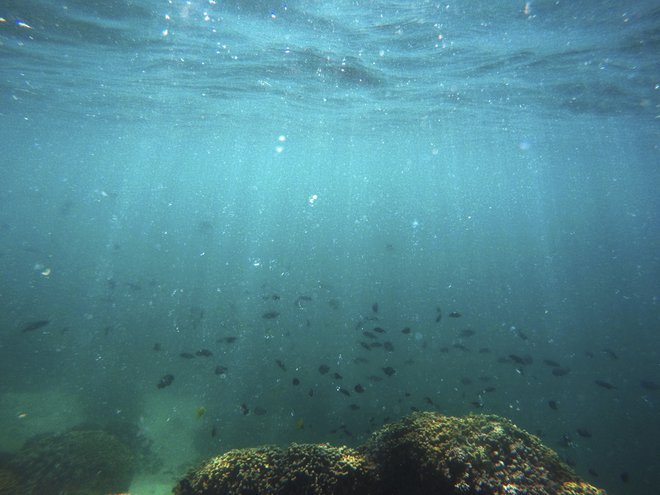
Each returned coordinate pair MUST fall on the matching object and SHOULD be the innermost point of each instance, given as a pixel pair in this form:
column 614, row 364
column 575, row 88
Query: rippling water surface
column 231, row 193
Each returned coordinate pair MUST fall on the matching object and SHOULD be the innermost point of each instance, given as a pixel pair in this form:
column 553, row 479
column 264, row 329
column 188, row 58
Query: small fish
column 204, row 353
column 214, row 431
column 280, row 364
column 455, row 314
column 484, row 350
column 337, row 376
column 219, row 370
column 379, row 330
column 461, row 347
column 604, row 384
column 520, row 360
column 429, row 401
column 365, row 345
column 611, row 353
column 344, row 391
column 467, row 332
column 311, row 392
column 295, row 382
column 374, row 307
column 369, row 335
column 589, row 354
column 245, row 409
column 323, row 369
column 360, row 360
column 553, row 405
column 228, row 340
column 376, row 344
column 477, row 403
column 406, row 331
column 157, row 347
column 354, row 407
column 388, row 346
column 489, row 389
column 522, row 335
column 166, row 381
column 649, row 385
column 551, row 363
column 389, row 371
column 560, row 371
column 375, row 378
column 466, row 381
column 359, row 388
column 269, row 315
column 299, row 301
column 439, row 314
column 583, row 432
column 34, row 325
column 625, row 477
column 593, row 472
column 187, row 355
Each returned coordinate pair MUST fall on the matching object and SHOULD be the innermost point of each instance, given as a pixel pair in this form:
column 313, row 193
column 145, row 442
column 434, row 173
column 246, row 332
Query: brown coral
column 423, row 453
column 9, row 484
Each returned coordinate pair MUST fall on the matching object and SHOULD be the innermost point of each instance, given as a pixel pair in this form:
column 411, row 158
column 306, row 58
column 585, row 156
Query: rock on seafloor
column 424, row 453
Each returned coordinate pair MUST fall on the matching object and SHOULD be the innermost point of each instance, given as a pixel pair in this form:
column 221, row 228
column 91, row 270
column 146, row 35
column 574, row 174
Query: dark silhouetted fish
column 344, row 391
column 553, row 404
column 649, row 385
column 295, row 382
column 214, row 431
column 551, row 363
column 354, row 407
column 438, row 316
column 369, row 335
column 374, row 307
column 389, row 371
column 311, row 392
column 604, row 384
column 269, row 315
column 245, row 409
column 460, row 347
column 589, row 354
column 34, row 325
column 365, row 345
column 187, row 355
column 228, row 340
column 299, row 301
column 375, row 378
column 583, row 432
column 280, row 364
column 219, row 370
column 157, row 347
column 467, row 332
column 560, row 371
column 429, row 401
column 323, row 369
column 379, row 330
column 611, row 353
column 522, row 335
column 489, row 389
column 337, row 376
column 359, row 388
column 521, row 359
column 593, row 472
column 204, row 353
column 484, row 350
column 455, row 314
column 388, row 346
column 376, row 344
column 625, row 477
column 406, row 331
column 166, row 381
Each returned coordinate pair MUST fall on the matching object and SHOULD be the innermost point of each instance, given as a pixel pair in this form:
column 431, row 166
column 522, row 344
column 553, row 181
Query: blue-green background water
column 170, row 171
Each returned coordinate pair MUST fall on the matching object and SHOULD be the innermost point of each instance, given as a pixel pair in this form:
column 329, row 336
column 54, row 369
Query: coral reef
column 304, row 469
column 420, row 454
column 74, row 462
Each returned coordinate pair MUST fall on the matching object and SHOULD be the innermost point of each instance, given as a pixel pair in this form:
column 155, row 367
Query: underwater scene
column 340, row 247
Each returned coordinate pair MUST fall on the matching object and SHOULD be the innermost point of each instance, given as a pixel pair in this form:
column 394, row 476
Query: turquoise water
column 172, row 172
